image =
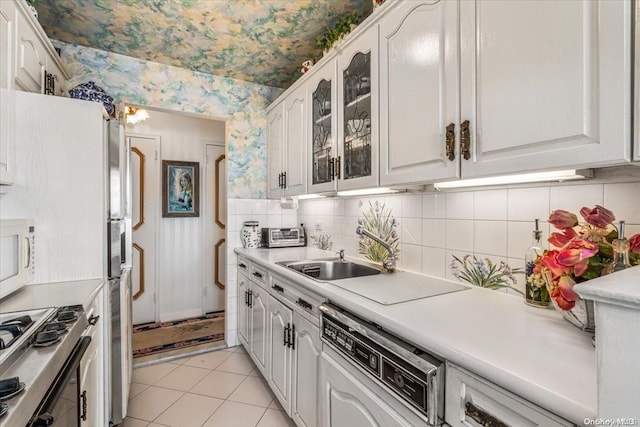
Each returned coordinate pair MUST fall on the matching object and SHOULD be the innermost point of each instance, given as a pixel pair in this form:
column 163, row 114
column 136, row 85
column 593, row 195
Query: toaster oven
column 283, row 237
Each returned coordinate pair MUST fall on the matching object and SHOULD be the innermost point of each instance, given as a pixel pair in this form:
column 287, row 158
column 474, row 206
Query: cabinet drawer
column 258, row 274
column 473, row 401
column 30, row 58
column 304, row 302
column 244, row 265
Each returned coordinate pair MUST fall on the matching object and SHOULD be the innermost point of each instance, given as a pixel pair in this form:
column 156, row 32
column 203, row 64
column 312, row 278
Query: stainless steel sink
column 330, row 269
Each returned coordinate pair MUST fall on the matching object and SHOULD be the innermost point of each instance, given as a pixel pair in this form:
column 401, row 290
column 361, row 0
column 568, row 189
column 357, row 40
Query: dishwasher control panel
column 396, row 373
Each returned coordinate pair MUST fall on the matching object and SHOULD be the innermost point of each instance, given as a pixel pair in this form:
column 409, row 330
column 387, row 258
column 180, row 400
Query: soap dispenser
column 536, row 293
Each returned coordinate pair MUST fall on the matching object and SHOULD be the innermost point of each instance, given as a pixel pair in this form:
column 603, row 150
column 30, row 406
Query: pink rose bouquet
column 584, row 249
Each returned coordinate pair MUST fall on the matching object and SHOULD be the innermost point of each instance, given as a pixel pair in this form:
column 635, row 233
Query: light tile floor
column 216, row 389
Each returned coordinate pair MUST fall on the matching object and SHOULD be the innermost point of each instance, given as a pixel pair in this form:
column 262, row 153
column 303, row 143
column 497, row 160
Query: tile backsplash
column 269, row 214
column 435, row 226
column 497, row 224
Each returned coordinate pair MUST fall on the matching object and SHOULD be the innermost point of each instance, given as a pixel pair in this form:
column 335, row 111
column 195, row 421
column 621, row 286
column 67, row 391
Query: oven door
column 61, row 405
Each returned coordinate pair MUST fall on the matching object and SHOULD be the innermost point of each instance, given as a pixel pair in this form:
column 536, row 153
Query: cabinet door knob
column 450, row 141
column 465, row 140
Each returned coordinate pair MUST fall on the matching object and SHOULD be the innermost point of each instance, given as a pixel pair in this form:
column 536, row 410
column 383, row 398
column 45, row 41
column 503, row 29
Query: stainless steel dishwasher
column 395, row 383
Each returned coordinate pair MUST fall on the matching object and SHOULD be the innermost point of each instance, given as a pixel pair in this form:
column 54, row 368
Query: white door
column 321, row 132
column 419, row 92
column 243, row 310
column 275, row 147
column 306, row 363
column 545, row 84
column 144, row 217
column 216, row 216
column 348, row 402
column 280, row 344
column 259, row 303
column 295, row 108
column 358, row 119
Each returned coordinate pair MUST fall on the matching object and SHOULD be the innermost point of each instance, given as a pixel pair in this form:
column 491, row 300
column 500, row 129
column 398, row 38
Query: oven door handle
column 69, row 369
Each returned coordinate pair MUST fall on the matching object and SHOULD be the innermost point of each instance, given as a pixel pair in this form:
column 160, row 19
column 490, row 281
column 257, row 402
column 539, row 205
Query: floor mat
column 151, row 338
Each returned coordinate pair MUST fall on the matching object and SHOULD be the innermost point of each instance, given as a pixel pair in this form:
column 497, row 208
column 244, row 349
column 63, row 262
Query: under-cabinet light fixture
column 566, row 175
column 310, row 196
column 135, row 115
column 368, row 192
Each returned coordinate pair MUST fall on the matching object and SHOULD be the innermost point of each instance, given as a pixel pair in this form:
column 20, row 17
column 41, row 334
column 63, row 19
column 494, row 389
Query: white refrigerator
column 72, row 179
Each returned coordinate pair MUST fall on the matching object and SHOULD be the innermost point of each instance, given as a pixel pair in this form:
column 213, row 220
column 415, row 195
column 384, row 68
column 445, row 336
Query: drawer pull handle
column 242, row 265
column 450, row 140
column 277, row 288
column 465, row 140
column 482, row 417
column 83, row 397
column 258, row 275
column 93, row 319
column 302, row 303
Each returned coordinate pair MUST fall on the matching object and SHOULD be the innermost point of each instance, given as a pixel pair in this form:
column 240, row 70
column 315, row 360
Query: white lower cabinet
column 349, row 399
column 280, row 346
column 91, row 369
column 243, row 309
column 305, row 365
column 472, row 401
column 279, row 329
column 252, row 304
column 258, row 304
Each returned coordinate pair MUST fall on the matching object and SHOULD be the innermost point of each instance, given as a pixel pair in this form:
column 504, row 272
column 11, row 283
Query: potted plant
column 343, row 26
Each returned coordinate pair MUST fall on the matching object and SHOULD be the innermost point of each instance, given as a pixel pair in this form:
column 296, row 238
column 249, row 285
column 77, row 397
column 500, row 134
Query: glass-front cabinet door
column 322, row 175
column 358, row 115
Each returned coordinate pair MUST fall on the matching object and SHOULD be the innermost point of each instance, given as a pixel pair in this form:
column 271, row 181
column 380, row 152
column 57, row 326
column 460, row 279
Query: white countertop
column 621, row 288
column 530, row 351
column 52, row 295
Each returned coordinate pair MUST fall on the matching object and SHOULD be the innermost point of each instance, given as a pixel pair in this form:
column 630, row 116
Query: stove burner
column 67, row 316
column 59, row 327
column 11, row 329
column 10, row 388
column 46, row 338
column 21, row 321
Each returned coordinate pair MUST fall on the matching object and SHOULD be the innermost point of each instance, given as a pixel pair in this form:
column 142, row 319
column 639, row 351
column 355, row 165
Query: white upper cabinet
column 7, row 43
column 275, row 150
column 286, row 143
column 27, row 57
column 636, row 108
column 358, row 112
column 419, row 92
column 295, row 178
column 545, row 84
column 321, row 141
column 31, row 58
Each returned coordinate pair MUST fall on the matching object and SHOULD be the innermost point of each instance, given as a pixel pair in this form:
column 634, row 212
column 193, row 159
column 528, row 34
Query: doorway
column 179, row 262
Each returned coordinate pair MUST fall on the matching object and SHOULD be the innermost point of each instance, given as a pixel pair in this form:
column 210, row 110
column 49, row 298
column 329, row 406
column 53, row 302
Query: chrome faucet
column 388, row 264
column 340, row 253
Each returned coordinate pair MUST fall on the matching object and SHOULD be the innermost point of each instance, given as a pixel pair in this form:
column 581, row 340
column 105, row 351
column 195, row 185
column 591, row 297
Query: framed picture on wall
column 180, row 189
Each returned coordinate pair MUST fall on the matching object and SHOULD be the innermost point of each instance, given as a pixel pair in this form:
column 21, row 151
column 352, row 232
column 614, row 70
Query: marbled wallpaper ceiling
column 261, row 41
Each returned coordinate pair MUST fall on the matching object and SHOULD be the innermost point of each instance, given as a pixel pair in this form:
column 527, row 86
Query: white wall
column 488, row 223
column 179, row 244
